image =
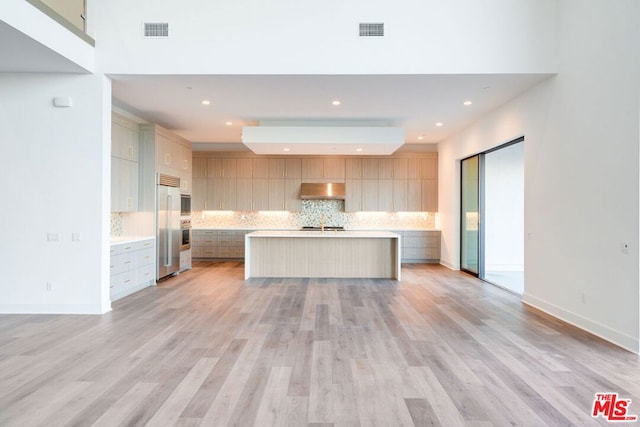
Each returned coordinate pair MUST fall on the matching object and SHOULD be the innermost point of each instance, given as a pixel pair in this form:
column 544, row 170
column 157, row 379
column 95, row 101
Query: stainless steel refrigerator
column 169, row 236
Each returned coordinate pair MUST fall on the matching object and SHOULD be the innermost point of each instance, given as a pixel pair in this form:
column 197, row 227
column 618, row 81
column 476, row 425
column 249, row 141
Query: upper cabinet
column 331, row 169
column 172, row 155
column 124, row 164
column 388, row 184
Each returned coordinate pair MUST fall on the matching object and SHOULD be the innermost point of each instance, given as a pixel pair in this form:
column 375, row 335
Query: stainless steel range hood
column 322, row 191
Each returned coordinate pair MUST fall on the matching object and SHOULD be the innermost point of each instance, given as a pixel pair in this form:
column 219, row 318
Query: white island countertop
column 327, row 234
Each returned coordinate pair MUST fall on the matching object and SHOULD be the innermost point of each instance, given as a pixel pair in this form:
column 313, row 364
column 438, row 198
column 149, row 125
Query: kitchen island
column 328, row 254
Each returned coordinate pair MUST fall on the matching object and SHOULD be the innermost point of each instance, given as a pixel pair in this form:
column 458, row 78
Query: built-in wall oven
column 185, row 204
column 185, row 229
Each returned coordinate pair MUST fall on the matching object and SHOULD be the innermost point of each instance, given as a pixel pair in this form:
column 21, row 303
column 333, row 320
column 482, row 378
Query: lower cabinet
column 218, row 243
column 132, row 267
column 420, row 246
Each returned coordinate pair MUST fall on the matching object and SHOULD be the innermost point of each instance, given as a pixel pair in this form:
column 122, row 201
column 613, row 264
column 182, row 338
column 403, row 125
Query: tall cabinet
column 124, row 164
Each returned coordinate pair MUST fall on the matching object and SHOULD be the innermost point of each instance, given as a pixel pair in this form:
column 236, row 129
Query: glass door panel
column 470, row 215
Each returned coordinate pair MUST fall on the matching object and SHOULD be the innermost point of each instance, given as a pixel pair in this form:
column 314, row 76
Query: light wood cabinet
column 276, row 168
column 260, row 168
column 369, row 194
column 400, row 195
column 429, row 195
column 400, row 168
column 244, row 194
column 353, row 168
column 214, row 244
column 244, row 168
column 385, row 195
column 261, row 194
column 276, row 194
column 293, row 168
column 292, row 200
column 198, row 199
column 312, row 169
column 353, row 199
column 420, row 246
column 333, row 169
column 414, row 195
column 385, row 168
column 199, row 167
column 373, row 183
column 221, row 168
column 370, row 168
column 323, row 170
column 422, row 168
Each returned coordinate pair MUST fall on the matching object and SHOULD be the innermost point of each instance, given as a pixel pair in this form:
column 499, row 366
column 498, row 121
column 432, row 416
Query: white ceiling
column 414, row 102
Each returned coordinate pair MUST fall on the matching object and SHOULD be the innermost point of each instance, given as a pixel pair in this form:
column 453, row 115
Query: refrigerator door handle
column 169, row 233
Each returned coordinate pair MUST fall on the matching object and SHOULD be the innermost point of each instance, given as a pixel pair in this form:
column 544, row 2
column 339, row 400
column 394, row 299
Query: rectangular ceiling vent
column 371, row 29
column 156, row 29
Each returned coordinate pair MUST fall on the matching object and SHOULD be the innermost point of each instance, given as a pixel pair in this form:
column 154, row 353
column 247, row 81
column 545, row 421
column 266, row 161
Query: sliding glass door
column 492, row 216
column 470, row 215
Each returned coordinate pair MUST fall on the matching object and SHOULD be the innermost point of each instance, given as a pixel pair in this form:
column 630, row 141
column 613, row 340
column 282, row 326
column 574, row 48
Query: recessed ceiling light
column 285, row 149
column 467, row 102
column 206, row 102
column 439, row 124
column 420, row 136
column 336, row 102
column 228, row 123
column 358, row 149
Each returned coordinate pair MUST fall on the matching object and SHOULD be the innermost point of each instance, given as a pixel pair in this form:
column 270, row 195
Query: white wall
column 294, row 37
column 55, row 179
column 504, row 209
column 581, row 172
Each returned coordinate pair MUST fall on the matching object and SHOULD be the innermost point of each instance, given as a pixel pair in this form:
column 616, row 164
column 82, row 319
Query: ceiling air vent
column 156, row 29
column 371, row 29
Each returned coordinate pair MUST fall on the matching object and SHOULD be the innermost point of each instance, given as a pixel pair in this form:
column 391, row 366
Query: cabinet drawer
column 123, row 262
column 238, row 252
column 420, row 253
column 122, row 281
column 143, row 244
column 145, row 257
column 197, row 251
column 210, row 252
column 226, row 252
column 145, row 274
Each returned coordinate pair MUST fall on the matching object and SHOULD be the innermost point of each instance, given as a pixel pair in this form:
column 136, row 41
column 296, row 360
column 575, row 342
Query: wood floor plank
column 182, row 395
column 117, row 413
column 207, row 348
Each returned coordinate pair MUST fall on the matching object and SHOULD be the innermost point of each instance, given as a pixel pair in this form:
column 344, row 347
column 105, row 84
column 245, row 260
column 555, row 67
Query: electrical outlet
column 53, row 237
column 76, row 237
column 49, row 286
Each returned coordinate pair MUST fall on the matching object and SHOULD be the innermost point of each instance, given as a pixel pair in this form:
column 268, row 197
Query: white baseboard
column 51, row 309
column 449, row 265
column 606, row 333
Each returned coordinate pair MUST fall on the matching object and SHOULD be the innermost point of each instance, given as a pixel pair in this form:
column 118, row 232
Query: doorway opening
column 492, row 216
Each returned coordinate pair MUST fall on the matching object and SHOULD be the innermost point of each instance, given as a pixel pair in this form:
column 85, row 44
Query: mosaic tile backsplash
column 311, row 215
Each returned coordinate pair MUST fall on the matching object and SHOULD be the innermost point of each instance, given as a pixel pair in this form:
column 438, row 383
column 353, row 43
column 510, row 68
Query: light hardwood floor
column 207, row 348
